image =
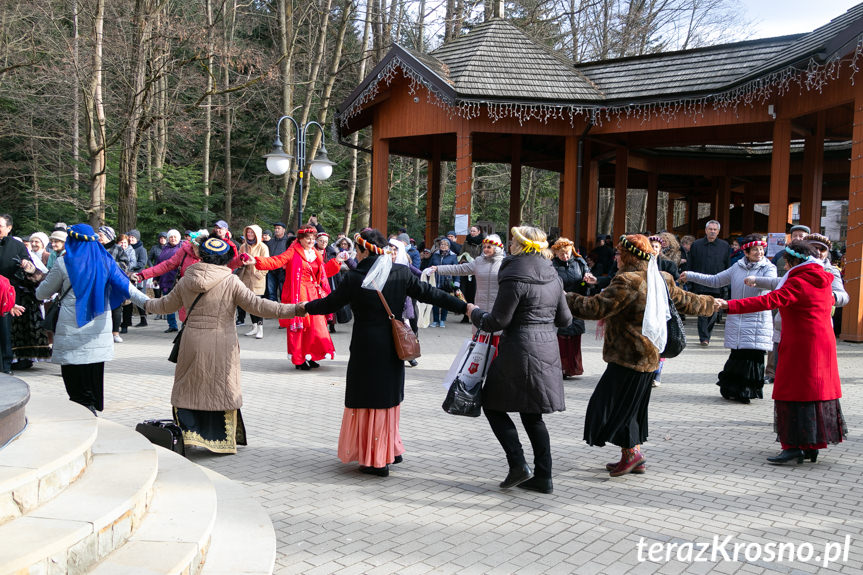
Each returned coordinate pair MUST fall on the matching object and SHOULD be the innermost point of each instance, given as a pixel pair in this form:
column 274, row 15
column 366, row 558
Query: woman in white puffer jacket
column 484, row 269
column 749, row 336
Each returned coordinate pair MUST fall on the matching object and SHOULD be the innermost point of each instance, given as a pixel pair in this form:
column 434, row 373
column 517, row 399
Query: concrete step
column 91, row 517
column 174, row 536
column 51, row 453
column 244, row 541
column 14, row 395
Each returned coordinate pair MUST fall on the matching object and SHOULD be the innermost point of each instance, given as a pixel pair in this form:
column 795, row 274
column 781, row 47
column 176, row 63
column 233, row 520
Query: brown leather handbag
column 407, row 344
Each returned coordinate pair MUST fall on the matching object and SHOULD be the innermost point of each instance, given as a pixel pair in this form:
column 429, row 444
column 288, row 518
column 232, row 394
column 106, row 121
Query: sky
column 781, row 17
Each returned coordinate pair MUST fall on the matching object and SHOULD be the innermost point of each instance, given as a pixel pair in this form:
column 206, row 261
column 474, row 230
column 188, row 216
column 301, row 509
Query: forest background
column 155, row 114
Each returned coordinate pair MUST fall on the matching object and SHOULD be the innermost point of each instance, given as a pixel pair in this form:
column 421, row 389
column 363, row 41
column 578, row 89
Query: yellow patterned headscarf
column 530, row 246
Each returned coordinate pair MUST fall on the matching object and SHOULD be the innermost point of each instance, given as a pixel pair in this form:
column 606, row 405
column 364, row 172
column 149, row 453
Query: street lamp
column 279, row 161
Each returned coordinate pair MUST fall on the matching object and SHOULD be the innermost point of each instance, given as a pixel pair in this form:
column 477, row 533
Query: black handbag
column 164, row 433
column 462, row 400
column 675, row 342
column 52, row 313
column 344, row 314
column 175, row 351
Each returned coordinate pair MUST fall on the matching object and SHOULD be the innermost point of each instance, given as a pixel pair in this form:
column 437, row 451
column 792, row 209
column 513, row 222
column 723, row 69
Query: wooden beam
column 380, row 182
column 779, row 173
column 748, row 209
column 621, row 181
column 692, row 215
column 852, row 314
column 514, row 186
column 463, row 173
column 723, row 210
column 433, row 194
column 592, row 204
column 813, row 176
column 566, row 203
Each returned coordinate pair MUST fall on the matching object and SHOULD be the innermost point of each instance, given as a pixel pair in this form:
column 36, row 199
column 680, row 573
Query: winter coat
column 252, row 277
column 807, row 368
column 7, row 296
column 376, row 375
column 207, row 376
column 526, row 374
column 668, row 266
column 621, row 305
column 485, row 271
column 12, row 253
column 154, row 253
column 473, row 246
column 125, row 258
column 708, row 258
column 141, row 259
column 747, row 331
column 840, row 296
column 439, row 258
column 572, row 274
column 73, row 345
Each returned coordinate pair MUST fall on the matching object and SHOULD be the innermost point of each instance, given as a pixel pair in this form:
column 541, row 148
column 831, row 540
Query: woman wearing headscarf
column 38, row 247
column 484, row 269
column 375, row 380
column 576, row 277
column 634, row 307
column 748, row 336
column 207, row 394
column 253, row 278
column 524, row 377
column 305, row 279
column 91, row 284
column 806, row 391
column 30, row 343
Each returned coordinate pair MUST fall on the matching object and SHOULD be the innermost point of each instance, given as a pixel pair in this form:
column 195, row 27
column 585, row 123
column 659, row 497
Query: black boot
column 379, row 471
column 810, row 454
column 786, row 456
column 538, row 484
column 516, row 475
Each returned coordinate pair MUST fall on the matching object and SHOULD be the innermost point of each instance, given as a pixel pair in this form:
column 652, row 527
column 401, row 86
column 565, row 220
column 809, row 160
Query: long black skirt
column 217, row 431
column 808, row 424
column 29, row 341
column 85, row 384
column 743, row 375
column 617, row 410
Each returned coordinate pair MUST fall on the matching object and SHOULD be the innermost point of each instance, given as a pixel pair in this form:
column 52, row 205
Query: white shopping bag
column 424, row 310
column 471, row 363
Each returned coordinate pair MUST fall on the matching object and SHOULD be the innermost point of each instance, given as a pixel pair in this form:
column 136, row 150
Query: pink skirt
column 370, row 436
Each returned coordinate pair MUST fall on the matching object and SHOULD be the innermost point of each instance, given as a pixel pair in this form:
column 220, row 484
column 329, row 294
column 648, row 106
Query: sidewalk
column 441, row 510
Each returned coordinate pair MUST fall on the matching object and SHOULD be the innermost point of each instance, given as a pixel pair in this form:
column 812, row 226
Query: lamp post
column 279, row 161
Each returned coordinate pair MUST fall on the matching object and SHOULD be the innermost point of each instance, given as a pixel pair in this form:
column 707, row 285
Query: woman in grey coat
column 525, row 375
column 748, row 336
column 90, row 284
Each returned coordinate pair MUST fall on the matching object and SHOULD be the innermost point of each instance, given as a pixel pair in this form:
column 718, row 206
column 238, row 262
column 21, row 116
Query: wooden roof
column 496, row 62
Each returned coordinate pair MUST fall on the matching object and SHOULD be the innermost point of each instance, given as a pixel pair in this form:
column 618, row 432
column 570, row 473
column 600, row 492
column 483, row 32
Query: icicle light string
column 813, row 77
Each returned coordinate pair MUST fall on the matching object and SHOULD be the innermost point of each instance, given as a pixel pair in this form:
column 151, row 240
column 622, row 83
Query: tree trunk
column 76, row 103
column 230, row 17
column 95, row 112
column 286, row 31
column 208, row 113
column 139, row 92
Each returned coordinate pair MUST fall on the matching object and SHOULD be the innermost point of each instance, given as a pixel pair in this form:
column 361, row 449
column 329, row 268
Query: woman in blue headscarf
column 90, row 284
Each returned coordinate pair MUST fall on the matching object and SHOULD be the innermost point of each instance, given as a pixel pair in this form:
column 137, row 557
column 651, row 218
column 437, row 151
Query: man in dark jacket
column 708, row 255
column 277, row 245
column 12, row 253
column 141, row 262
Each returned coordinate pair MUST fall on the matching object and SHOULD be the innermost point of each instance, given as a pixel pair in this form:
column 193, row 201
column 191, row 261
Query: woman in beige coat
column 207, row 395
column 252, row 277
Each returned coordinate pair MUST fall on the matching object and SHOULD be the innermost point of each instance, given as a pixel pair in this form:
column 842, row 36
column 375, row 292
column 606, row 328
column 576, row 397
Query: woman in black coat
column 375, row 385
column 576, row 278
column 525, row 375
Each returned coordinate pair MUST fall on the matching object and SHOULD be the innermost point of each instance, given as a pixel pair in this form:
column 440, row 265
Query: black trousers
column 705, row 326
column 6, row 341
column 116, row 314
column 506, row 433
column 85, row 384
column 128, row 311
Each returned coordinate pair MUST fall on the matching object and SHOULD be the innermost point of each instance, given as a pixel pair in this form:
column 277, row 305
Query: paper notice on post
column 461, row 224
column 775, row 244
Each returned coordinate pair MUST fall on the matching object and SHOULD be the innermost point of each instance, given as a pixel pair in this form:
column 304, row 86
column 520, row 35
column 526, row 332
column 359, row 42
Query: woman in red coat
column 806, row 390
column 305, row 280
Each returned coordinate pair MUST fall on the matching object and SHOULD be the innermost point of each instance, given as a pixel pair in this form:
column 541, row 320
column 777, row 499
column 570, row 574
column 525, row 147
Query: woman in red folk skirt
column 806, row 389
column 305, row 280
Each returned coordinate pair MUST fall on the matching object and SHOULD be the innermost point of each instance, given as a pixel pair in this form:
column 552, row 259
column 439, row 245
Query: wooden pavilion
column 777, row 120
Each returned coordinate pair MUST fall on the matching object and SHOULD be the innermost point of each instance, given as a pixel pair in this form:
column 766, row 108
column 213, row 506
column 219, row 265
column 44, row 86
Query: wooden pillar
column 380, row 182
column 463, row 173
column 652, row 201
column 587, row 232
column 566, row 203
column 813, row 176
column 780, row 166
column 692, row 215
column 749, row 210
column 514, row 187
column 621, row 182
column 723, row 209
column 852, row 314
column 433, row 194
column 592, row 202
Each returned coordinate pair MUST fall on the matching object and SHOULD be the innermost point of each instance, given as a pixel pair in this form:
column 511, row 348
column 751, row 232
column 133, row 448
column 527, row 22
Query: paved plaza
column 441, row 510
